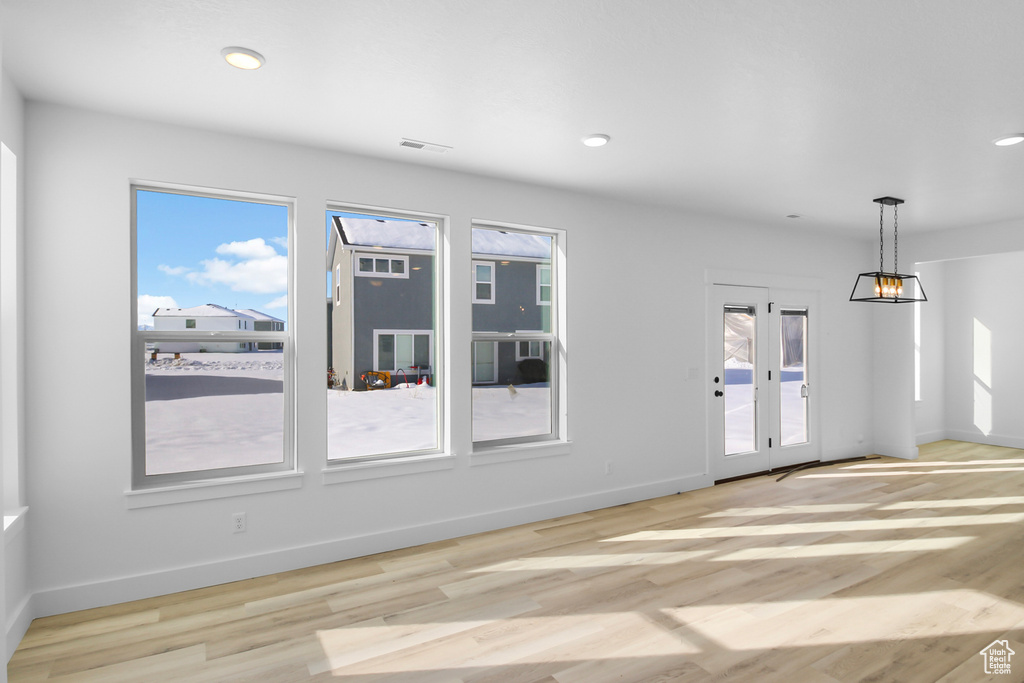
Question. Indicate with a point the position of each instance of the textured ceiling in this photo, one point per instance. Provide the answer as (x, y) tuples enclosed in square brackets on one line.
[(751, 109)]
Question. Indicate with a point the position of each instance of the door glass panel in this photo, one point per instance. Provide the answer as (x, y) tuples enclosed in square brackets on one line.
[(403, 352), (740, 387), (793, 384)]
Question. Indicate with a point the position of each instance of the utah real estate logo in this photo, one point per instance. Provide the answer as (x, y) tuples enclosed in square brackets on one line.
[(997, 657)]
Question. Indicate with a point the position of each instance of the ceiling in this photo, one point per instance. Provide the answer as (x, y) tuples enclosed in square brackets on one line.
[(749, 109)]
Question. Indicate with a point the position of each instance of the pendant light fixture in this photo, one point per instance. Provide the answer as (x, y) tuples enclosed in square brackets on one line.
[(884, 286)]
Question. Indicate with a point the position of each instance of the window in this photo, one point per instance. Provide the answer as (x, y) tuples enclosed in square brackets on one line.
[(207, 402), (485, 362), (382, 397), (543, 285), (529, 349), (398, 350), (483, 282), (517, 393), (383, 266)]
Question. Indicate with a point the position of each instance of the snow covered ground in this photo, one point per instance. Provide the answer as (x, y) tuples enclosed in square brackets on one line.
[(215, 410)]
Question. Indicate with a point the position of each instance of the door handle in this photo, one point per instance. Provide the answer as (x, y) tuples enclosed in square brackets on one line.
[(718, 393), (803, 391)]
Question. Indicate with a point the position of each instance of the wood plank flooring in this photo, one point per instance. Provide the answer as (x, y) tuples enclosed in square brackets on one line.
[(884, 570)]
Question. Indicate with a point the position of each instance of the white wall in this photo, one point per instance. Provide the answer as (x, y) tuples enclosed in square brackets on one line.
[(88, 548), (14, 589), (931, 408), (984, 363)]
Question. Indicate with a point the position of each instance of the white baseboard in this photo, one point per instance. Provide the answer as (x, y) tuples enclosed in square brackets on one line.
[(929, 437), (987, 439), (18, 621), (173, 580)]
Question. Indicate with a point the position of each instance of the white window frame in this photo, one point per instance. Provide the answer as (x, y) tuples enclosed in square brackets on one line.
[(557, 368), (492, 283), (142, 482), (494, 379), (540, 287), (355, 468), (391, 258)]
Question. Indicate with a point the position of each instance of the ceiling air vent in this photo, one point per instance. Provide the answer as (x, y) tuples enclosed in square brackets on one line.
[(425, 146)]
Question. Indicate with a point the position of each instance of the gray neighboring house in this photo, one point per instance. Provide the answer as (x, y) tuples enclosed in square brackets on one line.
[(381, 312)]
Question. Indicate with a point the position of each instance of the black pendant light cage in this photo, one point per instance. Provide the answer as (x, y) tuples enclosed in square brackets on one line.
[(888, 286)]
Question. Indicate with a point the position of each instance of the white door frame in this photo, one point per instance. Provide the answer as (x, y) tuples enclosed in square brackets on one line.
[(784, 292)]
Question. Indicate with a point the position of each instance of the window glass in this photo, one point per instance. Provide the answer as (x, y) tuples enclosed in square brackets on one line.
[(382, 397), (513, 392), (483, 283), (209, 392)]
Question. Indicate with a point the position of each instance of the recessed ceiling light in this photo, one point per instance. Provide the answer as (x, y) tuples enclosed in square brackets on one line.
[(1008, 140), (596, 140), (243, 58)]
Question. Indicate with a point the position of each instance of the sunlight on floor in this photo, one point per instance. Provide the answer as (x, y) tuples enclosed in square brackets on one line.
[(588, 561), (820, 527), (955, 503), (900, 473), (931, 463), (835, 621), (790, 510), (362, 649), (793, 552)]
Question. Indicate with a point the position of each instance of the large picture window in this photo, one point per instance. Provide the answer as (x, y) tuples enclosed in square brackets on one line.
[(515, 337), (211, 356), (382, 394)]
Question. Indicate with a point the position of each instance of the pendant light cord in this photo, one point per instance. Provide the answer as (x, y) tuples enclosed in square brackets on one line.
[(881, 238), (895, 238)]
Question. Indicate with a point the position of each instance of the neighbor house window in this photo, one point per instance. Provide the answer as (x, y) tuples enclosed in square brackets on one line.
[(529, 349), (514, 339), (543, 285), (483, 282), (382, 396), (383, 266), (206, 403)]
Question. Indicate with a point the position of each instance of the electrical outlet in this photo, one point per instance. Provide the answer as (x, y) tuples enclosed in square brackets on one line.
[(238, 522)]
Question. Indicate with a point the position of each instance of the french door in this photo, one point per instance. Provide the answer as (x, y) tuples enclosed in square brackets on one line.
[(761, 406)]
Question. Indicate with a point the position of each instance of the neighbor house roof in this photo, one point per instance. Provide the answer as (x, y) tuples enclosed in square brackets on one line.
[(204, 311), (258, 315), (400, 234), (385, 232)]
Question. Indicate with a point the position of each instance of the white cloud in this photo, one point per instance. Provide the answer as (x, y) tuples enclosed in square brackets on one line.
[(149, 303), (281, 242), (177, 270), (256, 276), (256, 268), (254, 249), (279, 302)]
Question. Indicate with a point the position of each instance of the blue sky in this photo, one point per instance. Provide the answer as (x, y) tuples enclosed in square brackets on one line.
[(199, 250)]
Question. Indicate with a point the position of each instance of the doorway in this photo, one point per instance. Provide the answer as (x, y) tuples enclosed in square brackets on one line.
[(761, 367)]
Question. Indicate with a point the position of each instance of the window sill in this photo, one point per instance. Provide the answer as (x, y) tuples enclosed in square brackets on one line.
[(214, 488), (345, 472), (489, 455), (14, 523)]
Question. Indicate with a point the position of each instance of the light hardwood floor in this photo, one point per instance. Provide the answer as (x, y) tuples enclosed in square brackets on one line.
[(885, 570)]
